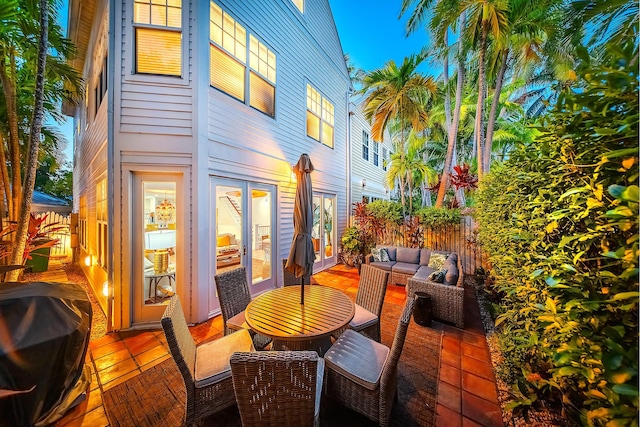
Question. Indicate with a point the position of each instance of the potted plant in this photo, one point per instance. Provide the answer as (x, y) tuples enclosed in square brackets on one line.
[(352, 246), (40, 240), (328, 226)]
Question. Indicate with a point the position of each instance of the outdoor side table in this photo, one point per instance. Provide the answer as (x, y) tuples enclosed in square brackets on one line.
[(154, 281), (278, 314)]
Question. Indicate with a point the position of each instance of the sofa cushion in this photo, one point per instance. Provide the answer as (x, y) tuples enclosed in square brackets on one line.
[(423, 273), (436, 261), (376, 254), (425, 254), (386, 266), (451, 278), (408, 255), (405, 268), (391, 250), (453, 257), (449, 264), (438, 276)]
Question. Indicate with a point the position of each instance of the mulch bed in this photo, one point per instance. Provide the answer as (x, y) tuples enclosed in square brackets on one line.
[(156, 397)]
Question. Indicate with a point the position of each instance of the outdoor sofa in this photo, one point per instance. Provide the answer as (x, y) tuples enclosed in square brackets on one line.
[(410, 267)]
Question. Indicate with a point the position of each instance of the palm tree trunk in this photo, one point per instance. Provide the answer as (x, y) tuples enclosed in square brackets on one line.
[(445, 76), (481, 84), (494, 110), (34, 142), (9, 85), (6, 184), (455, 122)]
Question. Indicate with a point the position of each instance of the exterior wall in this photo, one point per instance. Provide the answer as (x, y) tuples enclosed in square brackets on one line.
[(167, 125), (374, 176)]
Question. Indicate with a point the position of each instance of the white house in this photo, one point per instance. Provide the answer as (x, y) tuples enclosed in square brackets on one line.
[(193, 116), (369, 159)]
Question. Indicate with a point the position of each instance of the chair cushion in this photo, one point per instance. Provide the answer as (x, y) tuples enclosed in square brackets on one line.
[(238, 322), (425, 254), (212, 357), (358, 358), (391, 250), (423, 273), (362, 319), (319, 378), (386, 266), (408, 255), (405, 268)]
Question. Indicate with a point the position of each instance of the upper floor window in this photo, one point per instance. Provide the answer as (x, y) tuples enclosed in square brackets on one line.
[(385, 158), (229, 48), (299, 4), (365, 145), (320, 115), (376, 153), (158, 36), (100, 89)]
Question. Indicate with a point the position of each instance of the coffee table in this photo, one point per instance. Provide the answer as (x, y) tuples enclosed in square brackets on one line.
[(292, 326)]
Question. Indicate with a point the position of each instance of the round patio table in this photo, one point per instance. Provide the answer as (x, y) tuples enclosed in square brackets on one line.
[(292, 326)]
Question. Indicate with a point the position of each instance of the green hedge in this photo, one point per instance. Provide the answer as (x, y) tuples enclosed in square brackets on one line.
[(560, 223)]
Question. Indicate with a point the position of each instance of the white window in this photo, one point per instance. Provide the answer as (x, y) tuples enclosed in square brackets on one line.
[(365, 145), (158, 36), (82, 222), (320, 115), (101, 221), (385, 158), (299, 4), (100, 87), (376, 153), (228, 71)]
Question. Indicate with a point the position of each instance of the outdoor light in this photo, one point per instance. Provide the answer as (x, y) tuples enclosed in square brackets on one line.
[(364, 182), (160, 241), (88, 260), (105, 288)]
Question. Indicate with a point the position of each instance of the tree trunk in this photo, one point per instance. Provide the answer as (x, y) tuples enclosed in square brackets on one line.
[(6, 183), (9, 85), (34, 143), (479, 105), (452, 135), (494, 109), (447, 95)]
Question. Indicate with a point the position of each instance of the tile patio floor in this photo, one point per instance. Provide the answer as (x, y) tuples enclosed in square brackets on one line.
[(467, 394)]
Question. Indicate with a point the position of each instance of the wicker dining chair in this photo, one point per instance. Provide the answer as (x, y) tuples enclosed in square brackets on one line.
[(289, 279), (369, 299), (205, 367), (278, 388), (362, 374), (234, 296)]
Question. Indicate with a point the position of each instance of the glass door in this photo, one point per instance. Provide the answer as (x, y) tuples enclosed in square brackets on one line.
[(323, 232), (156, 248), (243, 223)]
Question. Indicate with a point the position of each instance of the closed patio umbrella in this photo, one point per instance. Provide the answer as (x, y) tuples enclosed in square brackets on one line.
[(302, 256)]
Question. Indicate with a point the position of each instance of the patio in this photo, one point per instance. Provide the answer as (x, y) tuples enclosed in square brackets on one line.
[(466, 390)]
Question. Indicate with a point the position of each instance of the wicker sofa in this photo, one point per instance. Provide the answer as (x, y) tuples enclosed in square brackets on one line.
[(409, 267)]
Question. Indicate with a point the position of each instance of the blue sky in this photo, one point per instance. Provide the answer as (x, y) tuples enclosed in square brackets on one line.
[(371, 33)]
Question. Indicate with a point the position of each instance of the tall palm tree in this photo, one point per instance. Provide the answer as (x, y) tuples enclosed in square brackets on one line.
[(397, 93)]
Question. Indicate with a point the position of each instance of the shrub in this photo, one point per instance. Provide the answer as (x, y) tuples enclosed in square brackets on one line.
[(560, 222), (438, 217)]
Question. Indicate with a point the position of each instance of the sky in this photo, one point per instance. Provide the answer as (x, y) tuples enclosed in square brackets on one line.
[(371, 33)]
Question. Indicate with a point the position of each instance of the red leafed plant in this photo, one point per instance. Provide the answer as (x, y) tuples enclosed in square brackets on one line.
[(461, 178), (39, 235)]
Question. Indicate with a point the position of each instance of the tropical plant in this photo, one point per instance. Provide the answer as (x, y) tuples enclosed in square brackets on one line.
[(352, 246), (560, 222)]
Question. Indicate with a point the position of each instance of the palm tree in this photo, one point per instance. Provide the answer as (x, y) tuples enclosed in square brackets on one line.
[(397, 93)]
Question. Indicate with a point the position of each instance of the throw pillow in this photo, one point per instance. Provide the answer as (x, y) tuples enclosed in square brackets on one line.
[(384, 255), (438, 276), (376, 254), (437, 261)]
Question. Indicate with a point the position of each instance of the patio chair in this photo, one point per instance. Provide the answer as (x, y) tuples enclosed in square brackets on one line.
[(278, 388), (205, 367), (362, 374), (369, 299), (289, 278), (234, 296)]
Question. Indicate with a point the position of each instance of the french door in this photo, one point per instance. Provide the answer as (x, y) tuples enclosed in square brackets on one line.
[(243, 226), (323, 232)]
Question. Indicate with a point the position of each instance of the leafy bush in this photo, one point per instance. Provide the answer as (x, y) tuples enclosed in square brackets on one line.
[(560, 222), (438, 217)]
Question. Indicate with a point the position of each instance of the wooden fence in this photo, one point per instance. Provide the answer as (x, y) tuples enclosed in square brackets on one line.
[(63, 248)]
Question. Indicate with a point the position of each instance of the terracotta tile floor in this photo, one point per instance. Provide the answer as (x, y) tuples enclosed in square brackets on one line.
[(467, 393)]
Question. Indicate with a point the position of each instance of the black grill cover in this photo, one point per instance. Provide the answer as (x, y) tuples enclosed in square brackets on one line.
[(44, 336)]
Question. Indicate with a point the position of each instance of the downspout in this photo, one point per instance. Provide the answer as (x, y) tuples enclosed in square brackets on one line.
[(111, 58), (348, 178)]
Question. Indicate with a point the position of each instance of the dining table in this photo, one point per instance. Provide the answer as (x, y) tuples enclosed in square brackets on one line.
[(279, 315)]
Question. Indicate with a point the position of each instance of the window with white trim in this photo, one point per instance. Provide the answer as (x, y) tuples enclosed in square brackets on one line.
[(82, 222), (101, 221), (230, 46), (365, 145), (320, 116), (299, 4), (376, 153), (100, 87), (158, 37)]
